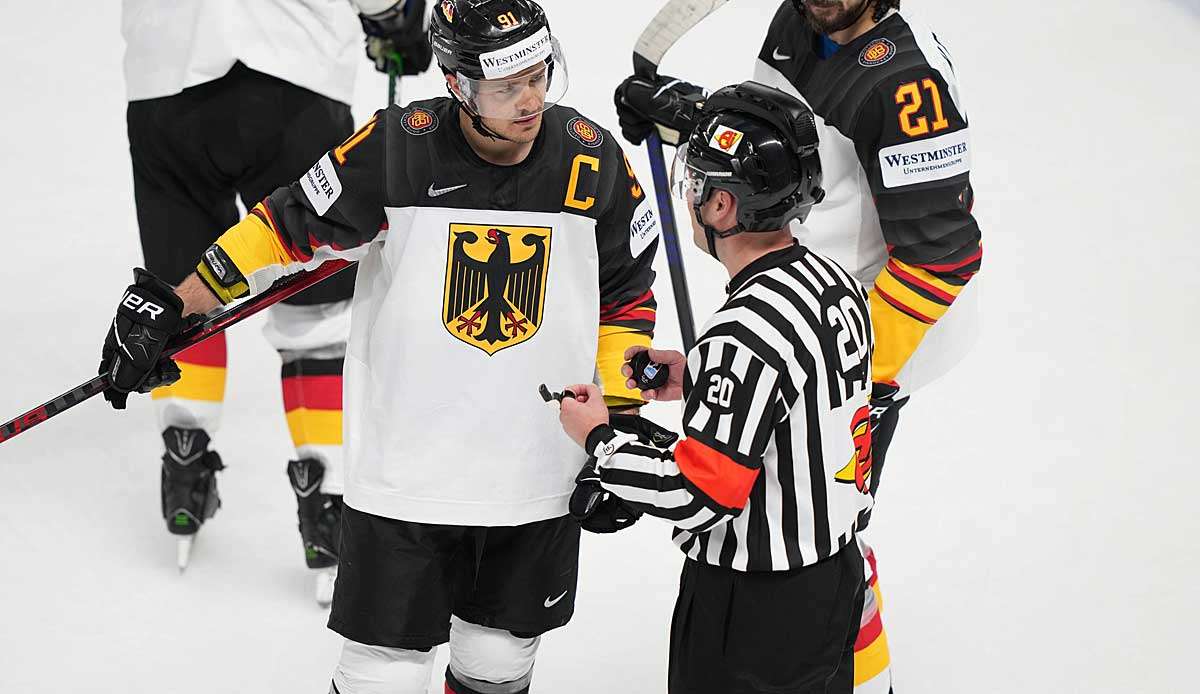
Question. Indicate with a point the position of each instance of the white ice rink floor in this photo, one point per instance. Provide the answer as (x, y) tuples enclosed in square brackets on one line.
[(1036, 529)]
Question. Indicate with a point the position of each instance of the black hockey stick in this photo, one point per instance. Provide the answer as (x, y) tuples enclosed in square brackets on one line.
[(279, 291), (671, 23)]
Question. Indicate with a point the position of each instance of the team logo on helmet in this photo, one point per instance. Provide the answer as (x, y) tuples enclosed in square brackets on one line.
[(876, 53), (586, 133), (726, 139), (419, 121), (448, 10), (858, 470), (495, 284)]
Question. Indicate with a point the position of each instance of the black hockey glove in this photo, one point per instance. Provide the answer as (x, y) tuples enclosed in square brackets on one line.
[(600, 511), (884, 402), (396, 38), (597, 510), (665, 102), (150, 313)]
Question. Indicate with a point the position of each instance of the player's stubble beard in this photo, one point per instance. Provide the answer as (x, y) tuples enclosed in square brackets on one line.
[(831, 16)]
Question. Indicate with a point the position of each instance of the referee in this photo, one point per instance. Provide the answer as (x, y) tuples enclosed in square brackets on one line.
[(766, 488)]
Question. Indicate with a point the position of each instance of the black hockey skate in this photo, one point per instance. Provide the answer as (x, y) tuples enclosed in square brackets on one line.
[(189, 485), (320, 518)]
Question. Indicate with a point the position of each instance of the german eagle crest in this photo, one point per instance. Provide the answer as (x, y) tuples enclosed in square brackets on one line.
[(495, 284)]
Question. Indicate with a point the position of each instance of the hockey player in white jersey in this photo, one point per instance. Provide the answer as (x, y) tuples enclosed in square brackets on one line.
[(896, 152), (775, 414), (502, 239), (229, 99)]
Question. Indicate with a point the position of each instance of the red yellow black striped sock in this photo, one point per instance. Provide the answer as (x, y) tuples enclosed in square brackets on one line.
[(312, 399), (194, 401)]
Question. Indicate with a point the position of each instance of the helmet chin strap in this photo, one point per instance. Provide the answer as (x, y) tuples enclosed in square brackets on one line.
[(476, 119), (477, 123), (711, 234)]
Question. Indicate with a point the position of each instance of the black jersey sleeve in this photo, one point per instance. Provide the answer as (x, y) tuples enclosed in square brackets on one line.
[(627, 234), (913, 143), (732, 405), (333, 211)]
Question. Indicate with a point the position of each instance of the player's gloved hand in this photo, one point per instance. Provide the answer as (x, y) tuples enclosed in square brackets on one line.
[(396, 38), (598, 510), (664, 102), (675, 363), (883, 398), (150, 313)]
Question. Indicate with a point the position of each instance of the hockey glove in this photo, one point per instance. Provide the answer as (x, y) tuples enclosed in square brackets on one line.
[(598, 510), (150, 313), (396, 37), (664, 102), (884, 400)]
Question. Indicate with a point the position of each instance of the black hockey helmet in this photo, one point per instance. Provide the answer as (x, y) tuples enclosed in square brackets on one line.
[(491, 47), (760, 145)]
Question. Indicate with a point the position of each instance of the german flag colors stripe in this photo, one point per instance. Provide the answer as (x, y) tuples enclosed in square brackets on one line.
[(202, 373), (312, 398)]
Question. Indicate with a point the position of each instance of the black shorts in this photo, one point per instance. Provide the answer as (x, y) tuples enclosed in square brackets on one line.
[(246, 133), (776, 632), (398, 581)]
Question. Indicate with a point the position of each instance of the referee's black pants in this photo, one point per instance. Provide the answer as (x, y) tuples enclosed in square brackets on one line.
[(769, 632)]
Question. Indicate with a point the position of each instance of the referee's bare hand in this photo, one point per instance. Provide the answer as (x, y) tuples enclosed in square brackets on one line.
[(675, 362), (582, 413)]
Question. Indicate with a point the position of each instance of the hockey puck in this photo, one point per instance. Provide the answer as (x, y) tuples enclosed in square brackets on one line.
[(647, 374)]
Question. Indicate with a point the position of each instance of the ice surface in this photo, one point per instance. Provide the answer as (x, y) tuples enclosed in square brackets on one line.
[(1036, 531)]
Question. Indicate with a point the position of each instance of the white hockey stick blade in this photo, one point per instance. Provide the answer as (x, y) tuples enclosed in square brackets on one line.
[(183, 551), (674, 20), (325, 581)]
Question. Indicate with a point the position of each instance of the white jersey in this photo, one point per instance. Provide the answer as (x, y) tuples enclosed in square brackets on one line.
[(476, 284), (171, 45), (842, 89)]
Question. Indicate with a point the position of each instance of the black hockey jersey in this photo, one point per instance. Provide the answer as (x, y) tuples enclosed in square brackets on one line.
[(896, 157), (476, 283)]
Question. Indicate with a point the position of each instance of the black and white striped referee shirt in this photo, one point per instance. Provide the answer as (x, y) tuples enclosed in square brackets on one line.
[(776, 462)]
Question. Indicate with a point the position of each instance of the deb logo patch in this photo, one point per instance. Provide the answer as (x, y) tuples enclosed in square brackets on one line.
[(586, 133), (643, 228), (934, 159), (726, 139), (321, 185), (877, 53), (419, 121)]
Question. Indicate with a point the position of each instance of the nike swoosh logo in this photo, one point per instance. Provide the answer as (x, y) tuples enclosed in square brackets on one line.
[(552, 603), (779, 56), (434, 192)]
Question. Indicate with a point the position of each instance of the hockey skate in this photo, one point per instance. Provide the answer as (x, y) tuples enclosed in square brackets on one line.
[(189, 486), (320, 518)]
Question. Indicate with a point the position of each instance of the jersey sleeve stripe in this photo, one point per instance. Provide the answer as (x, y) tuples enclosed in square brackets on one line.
[(923, 282), (610, 356), (912, 299), (716, 474), (899, 306)]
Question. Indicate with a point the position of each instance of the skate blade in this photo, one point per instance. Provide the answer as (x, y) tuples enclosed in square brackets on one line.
[(183, 551), (325, 579)]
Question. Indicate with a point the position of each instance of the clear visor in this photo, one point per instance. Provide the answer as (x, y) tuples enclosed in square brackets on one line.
[(527, 93), (688, 182)]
